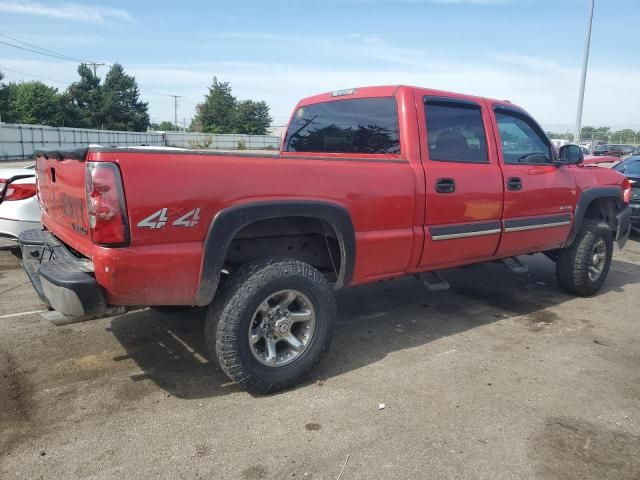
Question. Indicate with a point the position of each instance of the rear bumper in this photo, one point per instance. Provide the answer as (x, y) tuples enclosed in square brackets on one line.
[(62, 280), (624, 226)]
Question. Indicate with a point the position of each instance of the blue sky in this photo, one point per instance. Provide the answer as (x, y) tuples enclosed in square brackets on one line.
[(527, 51)]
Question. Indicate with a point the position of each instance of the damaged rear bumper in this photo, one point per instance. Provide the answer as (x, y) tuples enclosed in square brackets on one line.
[(63, 281)]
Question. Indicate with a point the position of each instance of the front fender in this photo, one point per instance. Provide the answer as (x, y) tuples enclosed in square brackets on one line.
[(586, 198)]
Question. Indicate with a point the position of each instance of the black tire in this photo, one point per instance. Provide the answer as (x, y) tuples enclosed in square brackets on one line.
[(232, 313), (572, 264)]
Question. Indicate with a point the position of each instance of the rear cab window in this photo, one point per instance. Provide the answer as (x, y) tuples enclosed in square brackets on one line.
[(352, 126)]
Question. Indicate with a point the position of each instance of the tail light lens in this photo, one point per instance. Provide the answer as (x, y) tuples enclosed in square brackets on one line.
[(17, 191), (626, 191), (106, 206)]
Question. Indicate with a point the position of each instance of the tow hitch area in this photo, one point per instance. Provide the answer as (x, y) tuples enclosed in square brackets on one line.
[(63, 281)]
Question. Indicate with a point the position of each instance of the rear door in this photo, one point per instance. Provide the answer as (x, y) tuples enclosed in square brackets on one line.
[(540, 197), (464, 187)]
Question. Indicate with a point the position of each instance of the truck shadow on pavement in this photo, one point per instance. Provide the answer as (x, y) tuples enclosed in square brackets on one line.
[(374, 320)]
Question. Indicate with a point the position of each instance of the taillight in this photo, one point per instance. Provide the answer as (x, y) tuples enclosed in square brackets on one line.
[(19, 191), (106, 205), (626, 191)]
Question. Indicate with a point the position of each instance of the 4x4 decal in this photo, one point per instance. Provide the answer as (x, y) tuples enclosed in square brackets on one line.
[(160, 218)]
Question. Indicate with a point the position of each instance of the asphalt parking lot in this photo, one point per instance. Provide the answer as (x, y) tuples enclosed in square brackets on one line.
[(501, 377)]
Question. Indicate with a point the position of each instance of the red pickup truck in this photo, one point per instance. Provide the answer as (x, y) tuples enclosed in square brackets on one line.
[(370, 183)]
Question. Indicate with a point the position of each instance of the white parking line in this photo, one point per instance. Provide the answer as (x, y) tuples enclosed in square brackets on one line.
[(11, 315)]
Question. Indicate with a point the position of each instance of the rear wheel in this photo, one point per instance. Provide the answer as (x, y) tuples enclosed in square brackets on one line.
[(582, 267), (271, 324)]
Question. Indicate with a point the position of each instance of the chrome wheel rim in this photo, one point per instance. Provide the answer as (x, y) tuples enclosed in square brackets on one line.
[(597, 259), (281, 328)]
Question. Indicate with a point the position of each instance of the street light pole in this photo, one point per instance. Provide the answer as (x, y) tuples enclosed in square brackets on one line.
[(583, 80)]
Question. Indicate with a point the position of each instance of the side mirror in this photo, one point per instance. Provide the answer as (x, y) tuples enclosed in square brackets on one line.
[(570, 155)]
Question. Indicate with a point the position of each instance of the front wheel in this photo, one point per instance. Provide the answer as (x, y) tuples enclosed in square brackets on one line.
[(582, 267), (272, 324)]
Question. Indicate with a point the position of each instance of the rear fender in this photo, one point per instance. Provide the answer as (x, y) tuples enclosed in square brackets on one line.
[(227, 223)]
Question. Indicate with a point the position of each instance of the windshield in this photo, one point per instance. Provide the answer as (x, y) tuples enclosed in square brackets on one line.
[(631, 166)]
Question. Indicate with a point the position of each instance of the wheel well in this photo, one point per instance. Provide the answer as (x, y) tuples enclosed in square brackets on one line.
[(310, 240), (604, 209)]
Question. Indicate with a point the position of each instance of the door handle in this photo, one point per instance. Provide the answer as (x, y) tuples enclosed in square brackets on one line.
[(445, 185), (514, 183)]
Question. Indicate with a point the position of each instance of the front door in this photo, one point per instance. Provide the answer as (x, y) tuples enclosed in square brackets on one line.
[(540, 197), (464, 188)]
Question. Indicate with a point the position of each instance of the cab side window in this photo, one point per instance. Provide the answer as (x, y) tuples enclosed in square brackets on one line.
[(455, 131), (521, 141)]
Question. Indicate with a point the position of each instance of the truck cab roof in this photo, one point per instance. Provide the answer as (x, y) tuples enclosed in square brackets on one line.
[(391, 90)]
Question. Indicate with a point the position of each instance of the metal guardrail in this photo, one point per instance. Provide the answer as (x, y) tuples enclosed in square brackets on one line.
[(20, 141)]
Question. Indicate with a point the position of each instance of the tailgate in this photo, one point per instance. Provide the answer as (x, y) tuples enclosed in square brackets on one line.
[(61, 190)]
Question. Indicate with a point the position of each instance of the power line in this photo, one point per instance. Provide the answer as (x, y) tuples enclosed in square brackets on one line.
[(41, 48), (184, 99), (59, 57), (48, 53), (34, 76)]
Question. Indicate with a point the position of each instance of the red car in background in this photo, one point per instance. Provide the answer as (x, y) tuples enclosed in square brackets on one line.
[(613, 150)]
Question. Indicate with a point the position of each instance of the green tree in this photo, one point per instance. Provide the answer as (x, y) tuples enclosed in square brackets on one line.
[(588, 132), (7, 93), (253, 117), (164, 126), (36, 103), (217, 114), (625, 135), (220, 112), (82, 101), (122, 108)]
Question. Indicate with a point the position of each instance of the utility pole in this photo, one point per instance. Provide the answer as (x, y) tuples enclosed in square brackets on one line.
[(175, 109), (585, 62), (95, 66)]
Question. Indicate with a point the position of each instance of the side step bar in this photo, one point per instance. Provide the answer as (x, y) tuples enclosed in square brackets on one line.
[(433, 281), (515, 265)]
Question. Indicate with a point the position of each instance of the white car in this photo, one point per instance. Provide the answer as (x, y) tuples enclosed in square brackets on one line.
[(19, 208)]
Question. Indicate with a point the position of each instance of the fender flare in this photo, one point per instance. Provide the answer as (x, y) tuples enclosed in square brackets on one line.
[(586, 198), (227, 223)]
